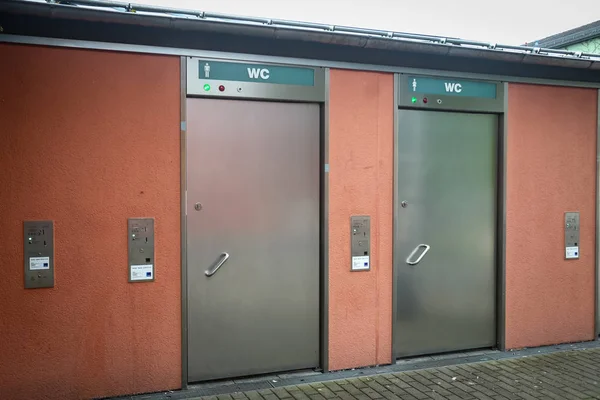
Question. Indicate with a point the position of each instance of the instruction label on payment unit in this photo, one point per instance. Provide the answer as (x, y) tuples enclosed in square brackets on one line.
[(37, 263), (572, 252), (360, 263), (142, 272)]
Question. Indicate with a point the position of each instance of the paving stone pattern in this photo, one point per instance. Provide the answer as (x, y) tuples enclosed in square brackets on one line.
[(559, 376)]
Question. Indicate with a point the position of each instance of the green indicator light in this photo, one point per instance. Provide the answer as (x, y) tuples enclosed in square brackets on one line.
[(206, 87), (414, 99)]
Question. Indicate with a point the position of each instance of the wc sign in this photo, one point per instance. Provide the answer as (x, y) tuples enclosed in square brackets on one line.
[(454, 87), (209, 70), (259, 73)]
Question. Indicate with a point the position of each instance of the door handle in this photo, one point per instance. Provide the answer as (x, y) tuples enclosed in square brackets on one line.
[(427, 247), (220, 261)]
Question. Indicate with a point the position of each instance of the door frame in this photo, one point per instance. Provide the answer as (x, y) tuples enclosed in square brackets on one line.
[(323, 220), (500, 249)]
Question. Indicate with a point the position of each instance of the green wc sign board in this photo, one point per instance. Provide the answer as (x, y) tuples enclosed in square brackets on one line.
[(451, 87), (261, 73)]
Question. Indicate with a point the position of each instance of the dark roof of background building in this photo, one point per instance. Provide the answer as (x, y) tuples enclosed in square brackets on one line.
[(567, 38)]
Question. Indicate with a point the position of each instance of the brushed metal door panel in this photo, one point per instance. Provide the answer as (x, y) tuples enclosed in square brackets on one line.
[(254, 169), (447, 177)]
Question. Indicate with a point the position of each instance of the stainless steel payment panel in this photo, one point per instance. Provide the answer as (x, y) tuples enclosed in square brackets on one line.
[(38, 249), (449, 93), (140, 237), (360, 243), (571, 235), (234, 79)]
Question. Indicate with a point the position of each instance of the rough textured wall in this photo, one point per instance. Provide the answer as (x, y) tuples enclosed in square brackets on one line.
[(88, 139), (361, 160), (551, 169)]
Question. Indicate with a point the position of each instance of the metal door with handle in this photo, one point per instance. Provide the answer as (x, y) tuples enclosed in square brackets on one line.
[(445, 232), (252, 237)]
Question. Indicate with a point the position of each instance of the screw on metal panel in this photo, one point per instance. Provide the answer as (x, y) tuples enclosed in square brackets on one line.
[(404, 204), (198, 206)]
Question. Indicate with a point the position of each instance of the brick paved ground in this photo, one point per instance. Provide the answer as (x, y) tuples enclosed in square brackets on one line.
[(562, 375)]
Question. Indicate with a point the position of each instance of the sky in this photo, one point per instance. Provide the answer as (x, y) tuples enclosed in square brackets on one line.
[(500, 21)]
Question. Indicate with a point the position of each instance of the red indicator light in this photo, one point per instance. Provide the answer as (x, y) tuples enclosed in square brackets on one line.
[(425, 100), (221, 88)]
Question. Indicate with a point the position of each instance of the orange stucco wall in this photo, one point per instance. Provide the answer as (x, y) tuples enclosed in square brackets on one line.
[(88, 139), (360, 183), (551, 164)]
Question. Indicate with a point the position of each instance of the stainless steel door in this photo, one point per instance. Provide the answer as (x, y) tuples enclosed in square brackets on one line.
[(445, 232), (253, 216)]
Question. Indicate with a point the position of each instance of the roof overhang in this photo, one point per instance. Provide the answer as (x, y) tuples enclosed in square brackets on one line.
[(194, 22)]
